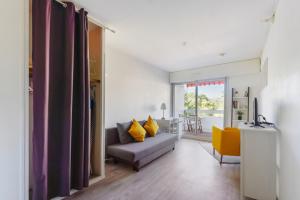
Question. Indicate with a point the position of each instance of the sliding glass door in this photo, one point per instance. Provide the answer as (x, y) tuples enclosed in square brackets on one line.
[(200, 105)]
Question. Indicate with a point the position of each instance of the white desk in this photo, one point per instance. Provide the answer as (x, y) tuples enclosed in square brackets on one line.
[(258, 162), (173, 125)]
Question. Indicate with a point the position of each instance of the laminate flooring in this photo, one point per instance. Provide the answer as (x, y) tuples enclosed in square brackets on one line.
[(187, 173)]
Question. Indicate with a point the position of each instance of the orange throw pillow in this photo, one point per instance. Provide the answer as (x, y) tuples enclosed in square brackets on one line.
[(151, 126), (137, 131)]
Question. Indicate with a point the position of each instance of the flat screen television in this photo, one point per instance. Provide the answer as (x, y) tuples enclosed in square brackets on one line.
[(255, 112)]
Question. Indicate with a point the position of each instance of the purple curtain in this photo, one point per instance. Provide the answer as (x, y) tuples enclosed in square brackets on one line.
[(81, 108), (40, 61), (60, 99)]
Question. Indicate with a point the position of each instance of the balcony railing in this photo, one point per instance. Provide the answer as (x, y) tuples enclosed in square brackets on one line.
[(202, 124)]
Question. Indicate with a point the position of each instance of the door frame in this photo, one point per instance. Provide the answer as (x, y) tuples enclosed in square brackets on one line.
[(26, 101), (225, 79)]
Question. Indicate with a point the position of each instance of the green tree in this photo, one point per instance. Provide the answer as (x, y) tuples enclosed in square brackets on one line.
[(189, 101), (202, 100), (204, 103)]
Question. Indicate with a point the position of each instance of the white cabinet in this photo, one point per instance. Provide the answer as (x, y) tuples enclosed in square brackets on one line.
[(258, 162)]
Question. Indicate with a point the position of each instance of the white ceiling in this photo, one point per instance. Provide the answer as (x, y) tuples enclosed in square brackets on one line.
[(155, 31)]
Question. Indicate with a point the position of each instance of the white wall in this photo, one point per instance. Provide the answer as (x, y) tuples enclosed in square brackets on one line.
[(281, 97), (217, 71), (133, 89), (239, 74), (254, 81), (12, 126)]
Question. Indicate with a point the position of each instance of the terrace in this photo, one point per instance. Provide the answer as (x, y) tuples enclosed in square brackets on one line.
[(199, 105)]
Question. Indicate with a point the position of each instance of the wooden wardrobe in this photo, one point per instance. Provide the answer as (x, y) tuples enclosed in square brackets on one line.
[(95, 38)]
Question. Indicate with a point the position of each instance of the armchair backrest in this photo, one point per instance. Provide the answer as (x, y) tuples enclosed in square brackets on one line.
[(226, 141)]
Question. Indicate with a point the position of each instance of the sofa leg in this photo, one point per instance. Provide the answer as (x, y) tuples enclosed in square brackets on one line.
[(173, 148), (115, 161), (221, 160), (135, 168)]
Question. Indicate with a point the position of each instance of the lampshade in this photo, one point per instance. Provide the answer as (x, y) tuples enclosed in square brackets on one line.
[(163, 106)]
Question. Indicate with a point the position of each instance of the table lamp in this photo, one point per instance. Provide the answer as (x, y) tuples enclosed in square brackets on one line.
[(163, 107)]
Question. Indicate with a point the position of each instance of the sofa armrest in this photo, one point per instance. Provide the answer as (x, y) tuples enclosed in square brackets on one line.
[(111, 136)]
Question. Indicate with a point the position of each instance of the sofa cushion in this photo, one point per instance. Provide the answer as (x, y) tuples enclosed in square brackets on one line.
[(123, 129), (135, 151), (137, 131), (124, 136), (151, 126)]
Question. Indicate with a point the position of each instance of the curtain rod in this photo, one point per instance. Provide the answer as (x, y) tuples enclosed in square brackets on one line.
[(94, 20)]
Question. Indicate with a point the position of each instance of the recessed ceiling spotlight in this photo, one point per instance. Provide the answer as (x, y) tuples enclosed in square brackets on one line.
[(222, 54)]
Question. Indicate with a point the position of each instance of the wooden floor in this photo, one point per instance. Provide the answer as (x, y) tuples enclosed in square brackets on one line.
[(188, 173)]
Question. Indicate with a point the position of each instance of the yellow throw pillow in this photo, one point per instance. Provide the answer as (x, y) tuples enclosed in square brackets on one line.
[(151, 126), (137, 131)]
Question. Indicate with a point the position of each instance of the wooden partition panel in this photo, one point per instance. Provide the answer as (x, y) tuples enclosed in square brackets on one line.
[(95, 61)]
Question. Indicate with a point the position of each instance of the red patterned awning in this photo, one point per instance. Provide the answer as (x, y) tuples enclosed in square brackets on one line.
[(205, 83)]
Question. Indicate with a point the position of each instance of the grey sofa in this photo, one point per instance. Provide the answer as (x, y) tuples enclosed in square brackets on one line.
[(138, 153)]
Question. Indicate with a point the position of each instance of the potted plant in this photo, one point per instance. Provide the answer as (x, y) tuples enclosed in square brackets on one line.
[(239, 114)]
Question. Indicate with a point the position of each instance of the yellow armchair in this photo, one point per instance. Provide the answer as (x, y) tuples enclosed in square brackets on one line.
[(226, 142)]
